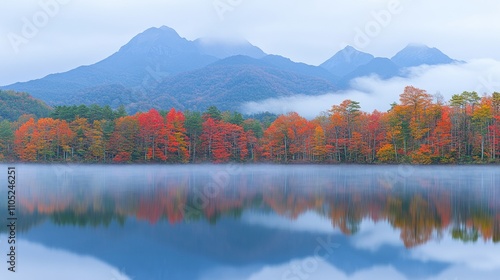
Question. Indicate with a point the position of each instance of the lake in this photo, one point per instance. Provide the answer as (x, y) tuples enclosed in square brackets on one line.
[(253, 222)]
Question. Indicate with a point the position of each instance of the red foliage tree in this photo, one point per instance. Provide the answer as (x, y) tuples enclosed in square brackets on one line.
[(152, 131), (176, 140), (24, 144)]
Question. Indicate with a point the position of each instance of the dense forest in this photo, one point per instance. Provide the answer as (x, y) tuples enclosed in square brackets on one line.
[(14, 104), (420, 129)]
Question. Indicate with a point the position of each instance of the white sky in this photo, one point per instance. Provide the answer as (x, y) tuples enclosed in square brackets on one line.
[(82, 32)]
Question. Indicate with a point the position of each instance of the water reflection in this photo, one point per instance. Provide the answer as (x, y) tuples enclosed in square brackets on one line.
[(421, 202), (41, 262), (267, 222)]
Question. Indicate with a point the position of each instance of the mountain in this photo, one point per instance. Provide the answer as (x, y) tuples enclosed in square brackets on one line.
[(113, 95), (14, 104), (123, 77), (231, 82), (222, 49), (299, 68), (158, 68), (416, 54), (384, 68), (346, 61), (148, 57), (225, 83)]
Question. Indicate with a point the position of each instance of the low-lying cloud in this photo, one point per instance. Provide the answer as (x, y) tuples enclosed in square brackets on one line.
[(482, 76), (306, 222)]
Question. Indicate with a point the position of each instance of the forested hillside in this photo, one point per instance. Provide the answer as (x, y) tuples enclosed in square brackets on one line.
[(418, 129), (14, 104)]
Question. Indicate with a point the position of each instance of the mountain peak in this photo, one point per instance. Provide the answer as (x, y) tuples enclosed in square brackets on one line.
[(416, 46), (221, 48), (165, 28), (154, 32), (349, 48), (154, 37), (419, 54), (346, 60)]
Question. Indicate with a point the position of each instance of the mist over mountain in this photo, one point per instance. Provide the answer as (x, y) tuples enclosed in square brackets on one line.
[(416, 54), (220, 49), (346, 61), (159, 68), (384, 68)]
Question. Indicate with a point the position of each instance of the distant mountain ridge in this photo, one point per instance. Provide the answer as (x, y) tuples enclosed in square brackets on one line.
[(381, 67), (154, 53), (417, 54), (220, 49), (158, 68), (237, 79), (346, 61)]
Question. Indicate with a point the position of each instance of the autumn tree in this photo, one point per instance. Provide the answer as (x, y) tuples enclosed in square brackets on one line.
[(397, 126), (152, 132), (63, 138), (24, 143), (375, 133), (223, 141), (81, 142), (417, 103), (97, 143), (208, 137), (482, 117), (441, 137), (386, 154), (319, 144), (176, 141), (289, 137), (234, 141), (43, 136), (344, 122), (125, 140)]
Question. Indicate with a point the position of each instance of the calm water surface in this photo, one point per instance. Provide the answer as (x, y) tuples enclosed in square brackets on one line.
[(254, 222)]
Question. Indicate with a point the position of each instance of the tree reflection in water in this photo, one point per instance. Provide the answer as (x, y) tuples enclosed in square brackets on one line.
[(428, 203)]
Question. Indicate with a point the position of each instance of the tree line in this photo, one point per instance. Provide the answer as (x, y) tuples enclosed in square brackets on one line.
[(420, 129)]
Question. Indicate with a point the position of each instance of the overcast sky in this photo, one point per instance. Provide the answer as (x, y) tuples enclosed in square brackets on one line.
[(82, 32)]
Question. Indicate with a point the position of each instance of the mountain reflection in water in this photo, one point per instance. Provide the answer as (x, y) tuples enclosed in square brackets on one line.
[(242, 215)]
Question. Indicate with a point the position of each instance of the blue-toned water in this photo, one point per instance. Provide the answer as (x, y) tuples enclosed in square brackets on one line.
[(254, 222)]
